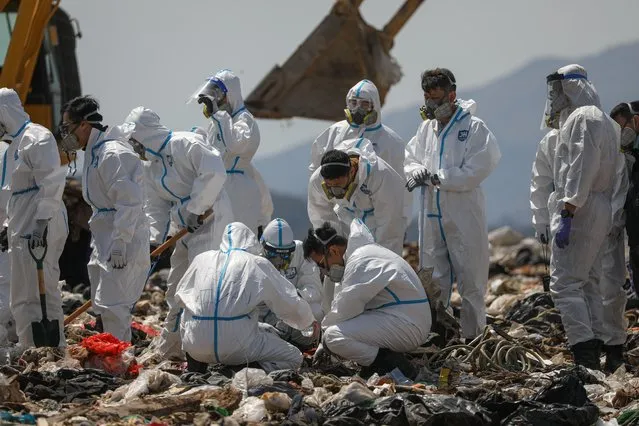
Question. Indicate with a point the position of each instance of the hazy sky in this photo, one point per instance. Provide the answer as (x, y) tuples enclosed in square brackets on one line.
[(156, 52)]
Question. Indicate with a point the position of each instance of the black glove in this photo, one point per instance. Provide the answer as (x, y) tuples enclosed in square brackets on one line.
[(260, 230), (4, 240)]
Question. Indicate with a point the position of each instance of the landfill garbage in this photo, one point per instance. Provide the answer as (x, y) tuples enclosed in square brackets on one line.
[(518, 371)]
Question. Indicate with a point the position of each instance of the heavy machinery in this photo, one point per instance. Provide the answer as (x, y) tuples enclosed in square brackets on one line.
[(37, 56), (342, 50)]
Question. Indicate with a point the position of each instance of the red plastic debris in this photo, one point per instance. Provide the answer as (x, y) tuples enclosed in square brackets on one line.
[(104, 344), (149, 331)]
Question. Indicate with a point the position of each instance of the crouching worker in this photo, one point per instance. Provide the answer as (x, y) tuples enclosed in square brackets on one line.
[(219, 296), (287, 255), (380, 310)]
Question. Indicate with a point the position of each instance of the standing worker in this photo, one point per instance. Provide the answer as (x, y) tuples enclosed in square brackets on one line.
[(185, 181), (7, 323), (113, 185), (452, 153), (234, 132), (627, 116), (37, 217), (364, 119), (580, 206)]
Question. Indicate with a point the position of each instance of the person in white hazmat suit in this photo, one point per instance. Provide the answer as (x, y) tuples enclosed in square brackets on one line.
[(452, 153), (7, 323), (364, 119), (187, 184), (613, 271), (234, 132), (580, 207), (36, 214), (354, 183), (287, 255), (381, 309), (113, 185), (220, 296)]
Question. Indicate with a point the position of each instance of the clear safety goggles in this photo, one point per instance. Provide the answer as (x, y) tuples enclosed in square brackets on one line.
[(212, 87), (354, 104), (279, 257)]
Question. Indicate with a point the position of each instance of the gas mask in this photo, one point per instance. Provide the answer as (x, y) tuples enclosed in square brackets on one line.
[(439, 111), (360, 112), (557, 102), (69, 142), (628, 138), (339, 192), (279, 257)]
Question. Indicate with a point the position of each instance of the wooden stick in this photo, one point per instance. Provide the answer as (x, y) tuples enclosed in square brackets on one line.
[(82, 309)]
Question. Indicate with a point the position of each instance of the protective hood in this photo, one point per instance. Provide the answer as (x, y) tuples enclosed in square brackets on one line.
[(199, 131), (148, 129), (365, 89), (12, 114), (278, 234), (238, 236), (579, 90), (361, 146), (234, 90), (469, 106), (359, 236)]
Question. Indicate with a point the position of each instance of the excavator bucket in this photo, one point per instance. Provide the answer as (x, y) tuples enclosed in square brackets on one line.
[(342, 50)]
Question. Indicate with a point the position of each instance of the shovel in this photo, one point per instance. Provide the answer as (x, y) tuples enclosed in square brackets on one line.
[(45, 332)]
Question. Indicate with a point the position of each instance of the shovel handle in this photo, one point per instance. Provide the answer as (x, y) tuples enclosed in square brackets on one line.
[(82, 309), (41, 288), (182, 232)]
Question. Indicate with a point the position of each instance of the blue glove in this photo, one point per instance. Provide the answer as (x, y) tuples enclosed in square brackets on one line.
[(562, 238)]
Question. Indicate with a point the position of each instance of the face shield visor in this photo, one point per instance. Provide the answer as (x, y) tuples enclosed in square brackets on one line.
[(564, 90), (213, 89)]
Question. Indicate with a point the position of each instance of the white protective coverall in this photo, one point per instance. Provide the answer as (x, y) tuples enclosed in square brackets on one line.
[(7, 323), (302, 273), (36, 185), (113, 185), (237, 137), (377, 201), (462, 154), (542, 184), (585, 163), (386, 143), (381, 303), (220, 296), (613, 275), (185, 174)]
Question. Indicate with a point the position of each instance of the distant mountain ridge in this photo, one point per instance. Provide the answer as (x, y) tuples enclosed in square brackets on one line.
[(511, 106)]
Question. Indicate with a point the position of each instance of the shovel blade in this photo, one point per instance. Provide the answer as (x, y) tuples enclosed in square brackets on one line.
[(46, 333)]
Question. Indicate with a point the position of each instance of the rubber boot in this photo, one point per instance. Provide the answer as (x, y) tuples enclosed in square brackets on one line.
[(614, 357), (386, 361), (588, 354), (195, 366)]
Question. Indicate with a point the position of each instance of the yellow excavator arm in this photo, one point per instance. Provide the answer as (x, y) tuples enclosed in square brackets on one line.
[(26, 39)]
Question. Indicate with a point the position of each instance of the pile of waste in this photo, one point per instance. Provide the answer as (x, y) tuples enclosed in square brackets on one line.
[(519, 371)]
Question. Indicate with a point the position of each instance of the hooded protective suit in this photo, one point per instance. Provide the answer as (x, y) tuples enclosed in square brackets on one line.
[(462, 154), (7, 323), (113, 185), (542, 184), (236, 136), (377, 201), (302, 273), (586, 158), (186, 175), (613, 275), (220, 294), (381, 303), (386, 143), (36, 185)]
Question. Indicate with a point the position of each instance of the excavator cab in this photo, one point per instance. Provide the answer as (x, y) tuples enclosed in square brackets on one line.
[(342, 50), (37, 57)]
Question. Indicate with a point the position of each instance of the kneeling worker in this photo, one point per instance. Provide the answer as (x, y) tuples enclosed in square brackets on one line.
[(219, 296), (287, 255), (381, 309)]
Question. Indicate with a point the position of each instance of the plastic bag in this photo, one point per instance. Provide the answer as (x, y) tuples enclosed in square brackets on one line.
[(276, 402), (355, 392), (108, 353), (251, 409), (248, 378), (149, 381)]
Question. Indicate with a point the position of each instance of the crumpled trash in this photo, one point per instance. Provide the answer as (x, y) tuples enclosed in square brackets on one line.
[(208, 378), (25, 419), (68, 385), (277, 402), (286, 376), (354, 392), (10, 390), (248, 378), (529, 413), (287, 388), (530, 307), (251, 409), (319, 396), (149, 381)]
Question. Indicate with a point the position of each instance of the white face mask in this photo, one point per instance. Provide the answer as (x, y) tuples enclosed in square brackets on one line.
[(628, 137), (336, 273)]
